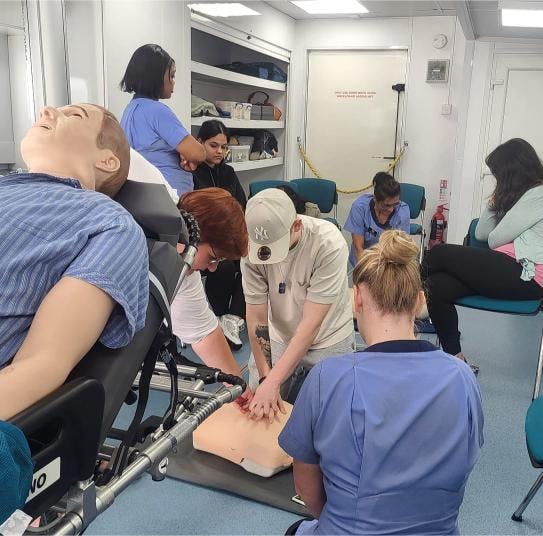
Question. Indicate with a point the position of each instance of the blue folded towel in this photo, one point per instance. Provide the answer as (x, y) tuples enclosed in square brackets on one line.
[(16, 470)]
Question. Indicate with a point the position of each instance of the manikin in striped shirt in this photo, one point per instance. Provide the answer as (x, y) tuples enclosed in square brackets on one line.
[(73, 263)]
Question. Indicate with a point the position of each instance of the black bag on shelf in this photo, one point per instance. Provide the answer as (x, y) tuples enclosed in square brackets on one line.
[(261, 69), (264, 142)]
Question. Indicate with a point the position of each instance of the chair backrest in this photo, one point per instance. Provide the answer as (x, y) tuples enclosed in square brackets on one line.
[(414, 196), (470, 239), (258, 186), (322, 192)]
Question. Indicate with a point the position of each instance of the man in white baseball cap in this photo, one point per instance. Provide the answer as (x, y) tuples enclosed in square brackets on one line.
[(298, 301)]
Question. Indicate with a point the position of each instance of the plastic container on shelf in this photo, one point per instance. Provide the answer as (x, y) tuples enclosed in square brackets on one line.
[(238, 153)]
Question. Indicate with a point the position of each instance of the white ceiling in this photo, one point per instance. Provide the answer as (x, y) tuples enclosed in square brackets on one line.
[(481, 18)]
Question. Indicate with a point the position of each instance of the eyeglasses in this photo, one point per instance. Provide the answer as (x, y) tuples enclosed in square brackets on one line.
[(384, 205), (214, 260)]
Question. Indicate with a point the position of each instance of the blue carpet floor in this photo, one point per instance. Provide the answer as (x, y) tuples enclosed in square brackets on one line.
[(505, 347)]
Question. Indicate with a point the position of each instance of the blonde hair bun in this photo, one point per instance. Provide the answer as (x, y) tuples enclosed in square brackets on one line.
[(397, 247), (391, 271)]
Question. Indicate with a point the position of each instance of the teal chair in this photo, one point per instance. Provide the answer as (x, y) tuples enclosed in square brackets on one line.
[(514, 307), (533, 428), (258, 186), (415, 197), (322, 192)]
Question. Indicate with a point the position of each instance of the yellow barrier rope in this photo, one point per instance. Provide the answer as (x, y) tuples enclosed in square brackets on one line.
[(315, 172)]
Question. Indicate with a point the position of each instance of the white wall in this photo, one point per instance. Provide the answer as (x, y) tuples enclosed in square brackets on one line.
[(53, 53), (22, 107), (47, 52), (11, 14), (432, 151), (468, 171), (7, 155), (130, 25), (85, 51), (15, 115), (431, 136)]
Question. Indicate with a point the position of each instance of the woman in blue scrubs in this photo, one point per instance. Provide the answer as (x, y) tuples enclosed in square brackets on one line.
[(384, 440), (151, 127), (371, 214)]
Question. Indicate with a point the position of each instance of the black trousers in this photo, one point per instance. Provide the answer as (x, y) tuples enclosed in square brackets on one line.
[(451, 272), (224, 290)]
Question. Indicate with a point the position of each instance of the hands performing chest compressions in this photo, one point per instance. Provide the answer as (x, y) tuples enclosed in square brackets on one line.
[(298, 303)]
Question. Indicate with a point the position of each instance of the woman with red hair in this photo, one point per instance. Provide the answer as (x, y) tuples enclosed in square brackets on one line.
[(223, 236)]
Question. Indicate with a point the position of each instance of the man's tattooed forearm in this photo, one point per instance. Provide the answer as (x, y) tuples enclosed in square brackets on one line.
[(262, 334)]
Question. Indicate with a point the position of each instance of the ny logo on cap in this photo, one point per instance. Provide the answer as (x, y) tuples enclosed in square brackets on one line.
[(261, 233)]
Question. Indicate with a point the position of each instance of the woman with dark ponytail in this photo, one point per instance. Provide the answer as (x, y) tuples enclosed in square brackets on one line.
[(371, 214)]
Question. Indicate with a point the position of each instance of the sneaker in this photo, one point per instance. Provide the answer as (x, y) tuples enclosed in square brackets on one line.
[(474, 368), (231, 326), (424, 326)]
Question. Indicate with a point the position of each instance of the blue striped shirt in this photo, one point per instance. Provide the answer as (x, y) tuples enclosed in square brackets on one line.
[(51, 228)]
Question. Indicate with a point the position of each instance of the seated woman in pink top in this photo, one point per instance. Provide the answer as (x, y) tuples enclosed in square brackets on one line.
[(512, 223)]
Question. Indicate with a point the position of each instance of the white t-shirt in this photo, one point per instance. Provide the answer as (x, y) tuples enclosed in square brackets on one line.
[(314, 270), (141, 170), (192, 317)]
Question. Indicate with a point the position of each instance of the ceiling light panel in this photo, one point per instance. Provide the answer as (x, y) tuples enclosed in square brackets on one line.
[(522, 18), (224, 10), (330, 7)]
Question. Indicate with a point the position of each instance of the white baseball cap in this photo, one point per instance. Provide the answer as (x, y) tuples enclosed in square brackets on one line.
[(269, 217)]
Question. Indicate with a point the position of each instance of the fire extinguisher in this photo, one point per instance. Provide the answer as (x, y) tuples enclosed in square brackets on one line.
[(437, 227)]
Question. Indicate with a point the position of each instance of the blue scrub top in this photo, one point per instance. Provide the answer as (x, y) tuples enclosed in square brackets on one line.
[(396, 430), (363, 221), (154, 131)]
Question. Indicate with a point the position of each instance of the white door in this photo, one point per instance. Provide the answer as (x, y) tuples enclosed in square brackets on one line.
[(516, 111), (351, 115)]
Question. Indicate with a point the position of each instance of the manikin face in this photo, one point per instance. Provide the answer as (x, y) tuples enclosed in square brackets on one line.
[(169, 82), (216, 148), (62, 142)]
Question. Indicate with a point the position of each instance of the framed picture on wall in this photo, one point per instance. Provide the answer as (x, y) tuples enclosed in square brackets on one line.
[(437, 71)]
